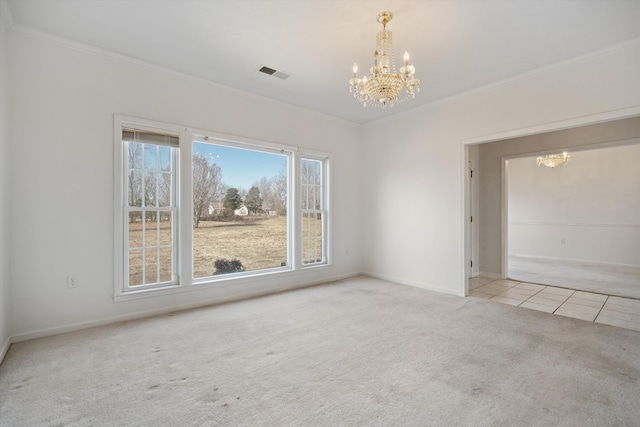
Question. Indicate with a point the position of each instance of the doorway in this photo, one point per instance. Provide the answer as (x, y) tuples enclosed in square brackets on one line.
[(490, 210)]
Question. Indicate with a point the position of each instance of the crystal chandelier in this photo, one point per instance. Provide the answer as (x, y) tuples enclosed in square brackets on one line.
[(553, 160), (383, 85)]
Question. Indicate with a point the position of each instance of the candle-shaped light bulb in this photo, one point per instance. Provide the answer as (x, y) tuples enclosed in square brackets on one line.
[(406, 58), (355, 69)]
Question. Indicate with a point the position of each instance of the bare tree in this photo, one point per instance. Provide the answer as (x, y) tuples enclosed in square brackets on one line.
[(207, 186), (135, 179), (265, 186), (311, 178), (164, 189), (150, 194), (280, 192)]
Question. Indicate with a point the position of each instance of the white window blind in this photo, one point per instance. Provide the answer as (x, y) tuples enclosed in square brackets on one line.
[(150, 137)]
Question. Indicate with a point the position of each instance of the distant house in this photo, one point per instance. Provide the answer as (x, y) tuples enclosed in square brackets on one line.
[(215, 208), (241, 211)]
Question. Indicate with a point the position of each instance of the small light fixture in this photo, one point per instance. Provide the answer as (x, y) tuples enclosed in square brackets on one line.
[(553, 160), (383, 85)]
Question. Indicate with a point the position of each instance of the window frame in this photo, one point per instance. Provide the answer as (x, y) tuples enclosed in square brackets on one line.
[(217, 139), (172, 208), (121, 208), (184, 208), (323, 210)]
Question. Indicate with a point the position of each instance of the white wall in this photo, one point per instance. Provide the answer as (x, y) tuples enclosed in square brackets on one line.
[(414, 163), (62, 102), (398, 182), (5, 302), (587, 209)]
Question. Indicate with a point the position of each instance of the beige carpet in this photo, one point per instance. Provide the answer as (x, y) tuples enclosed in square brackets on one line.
[(352, 353)]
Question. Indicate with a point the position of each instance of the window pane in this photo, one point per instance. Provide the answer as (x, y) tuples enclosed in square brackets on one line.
[(164, 158), (311, 184), (312, 238), (314, 199), (135, 229), (151, 265), (150, 156), (135, 155), (135, 267), (166, 228), (151, 230), (134, 188), (165, 264), (150, 189), (164, 189), (240, 209)]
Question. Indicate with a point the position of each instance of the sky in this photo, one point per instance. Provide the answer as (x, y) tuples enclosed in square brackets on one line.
[(241, 168)]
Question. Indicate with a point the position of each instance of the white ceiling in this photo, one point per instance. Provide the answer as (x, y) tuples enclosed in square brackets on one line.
[(456, 45)]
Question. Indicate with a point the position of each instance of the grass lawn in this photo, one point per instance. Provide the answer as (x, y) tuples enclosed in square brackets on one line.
[(258, 243)]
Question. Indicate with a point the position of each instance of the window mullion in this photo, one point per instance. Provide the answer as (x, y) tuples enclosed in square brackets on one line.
[(296, 208), (323, 239), (144, 245), (157, 244), (184, 193), (125, 256)]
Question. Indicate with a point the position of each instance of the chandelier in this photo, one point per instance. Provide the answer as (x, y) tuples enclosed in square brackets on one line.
[(383, 85), (553, 160)]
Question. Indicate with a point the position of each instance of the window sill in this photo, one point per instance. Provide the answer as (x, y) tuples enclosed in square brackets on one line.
[(212, 283)]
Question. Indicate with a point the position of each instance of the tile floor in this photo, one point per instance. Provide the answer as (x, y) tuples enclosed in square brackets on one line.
[(607, 309)]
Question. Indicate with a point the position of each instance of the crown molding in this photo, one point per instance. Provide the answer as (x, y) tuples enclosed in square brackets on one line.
[(631, 43)]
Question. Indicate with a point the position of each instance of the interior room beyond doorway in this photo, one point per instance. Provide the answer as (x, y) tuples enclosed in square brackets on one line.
[(577, 225), (488, 242)]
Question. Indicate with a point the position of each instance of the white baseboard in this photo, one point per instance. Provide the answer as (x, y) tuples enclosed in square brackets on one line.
[(420, 285), (489, 275), (5, 348), (550, 258), (157, 312)]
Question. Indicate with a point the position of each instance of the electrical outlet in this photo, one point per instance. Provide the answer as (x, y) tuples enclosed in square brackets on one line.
[(72, 281)]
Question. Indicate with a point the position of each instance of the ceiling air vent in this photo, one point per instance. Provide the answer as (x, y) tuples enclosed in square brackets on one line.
[(275, 73)]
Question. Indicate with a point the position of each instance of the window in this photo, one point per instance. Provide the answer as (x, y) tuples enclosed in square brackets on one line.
[(195, 209), (313, 212), (240, 208), (150, 208)]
